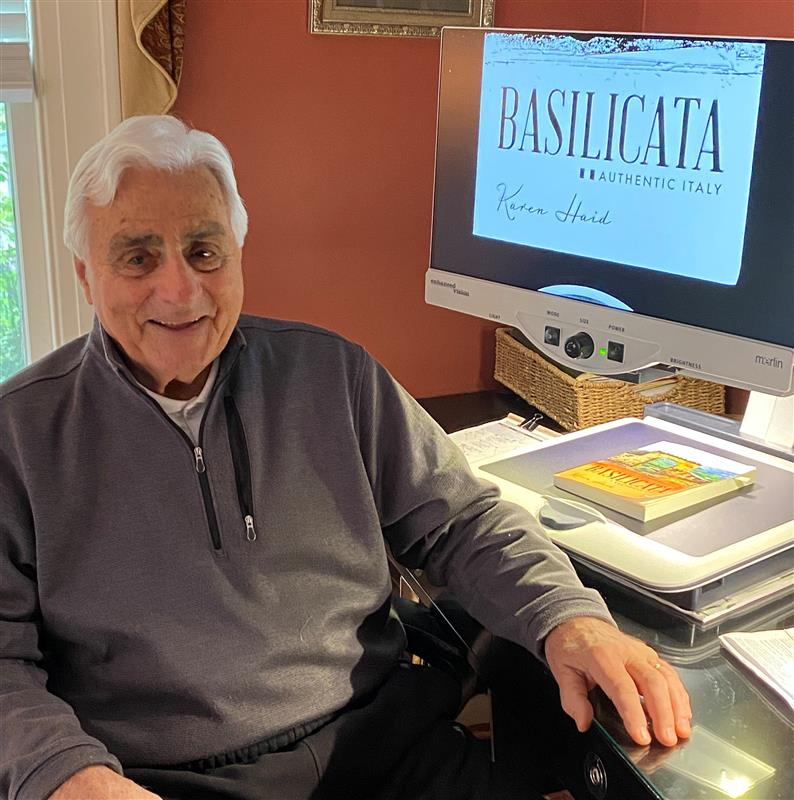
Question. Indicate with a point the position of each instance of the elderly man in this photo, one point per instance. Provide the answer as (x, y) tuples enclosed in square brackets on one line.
[(194, 590)]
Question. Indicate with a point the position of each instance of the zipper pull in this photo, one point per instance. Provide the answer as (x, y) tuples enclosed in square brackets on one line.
[(200, 467), (250, 533)]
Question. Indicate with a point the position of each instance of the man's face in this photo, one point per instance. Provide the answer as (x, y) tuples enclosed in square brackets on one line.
[(163, 272)]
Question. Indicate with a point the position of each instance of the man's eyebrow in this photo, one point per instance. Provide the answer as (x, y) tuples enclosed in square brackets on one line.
[(206, 230), (122, 241)]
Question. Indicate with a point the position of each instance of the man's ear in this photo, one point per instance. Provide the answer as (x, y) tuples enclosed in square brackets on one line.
[(80, 270)]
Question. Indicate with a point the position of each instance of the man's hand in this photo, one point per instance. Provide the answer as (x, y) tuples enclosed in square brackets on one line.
[(585, 652), (100, 783)]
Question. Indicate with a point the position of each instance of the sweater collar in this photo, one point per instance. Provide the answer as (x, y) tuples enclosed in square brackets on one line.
[(103, 346)]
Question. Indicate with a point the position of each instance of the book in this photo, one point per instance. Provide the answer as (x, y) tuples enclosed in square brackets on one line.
[(655, 480), (769, 655)]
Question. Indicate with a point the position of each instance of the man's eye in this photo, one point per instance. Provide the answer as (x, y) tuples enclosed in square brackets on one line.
[(205, 258), (136, 262)]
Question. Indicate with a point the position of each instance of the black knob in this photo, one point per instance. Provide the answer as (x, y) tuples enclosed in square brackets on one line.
[(595, 776), (579, 345)]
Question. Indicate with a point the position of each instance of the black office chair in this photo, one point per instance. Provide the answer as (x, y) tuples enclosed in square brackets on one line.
[(446, 637), (442, 634)]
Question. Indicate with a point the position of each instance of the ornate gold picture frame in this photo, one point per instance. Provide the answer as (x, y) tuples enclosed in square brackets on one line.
[(396, 17)]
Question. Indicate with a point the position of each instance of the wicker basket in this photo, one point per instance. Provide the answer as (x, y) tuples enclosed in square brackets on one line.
[(582, 401)]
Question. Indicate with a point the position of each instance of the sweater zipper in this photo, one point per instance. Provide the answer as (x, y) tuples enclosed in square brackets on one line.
[(206, 494), (198, 459), (242, 465)]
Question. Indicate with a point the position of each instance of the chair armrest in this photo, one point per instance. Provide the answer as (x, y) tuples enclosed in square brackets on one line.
[(447, 638)]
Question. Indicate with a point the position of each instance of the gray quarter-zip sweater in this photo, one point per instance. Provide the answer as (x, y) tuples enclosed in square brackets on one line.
[(161, 602)]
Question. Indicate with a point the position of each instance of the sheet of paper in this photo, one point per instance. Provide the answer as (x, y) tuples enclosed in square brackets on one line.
[(497, 438), (767, 654)]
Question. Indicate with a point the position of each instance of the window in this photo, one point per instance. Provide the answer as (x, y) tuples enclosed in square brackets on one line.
[(58, 95), (13, 345), (16, 84)]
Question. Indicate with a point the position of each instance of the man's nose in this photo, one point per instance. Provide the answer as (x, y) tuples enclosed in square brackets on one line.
[(178, 282)]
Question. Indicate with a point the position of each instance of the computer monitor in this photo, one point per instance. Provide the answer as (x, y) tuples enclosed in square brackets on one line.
[(623, 199)]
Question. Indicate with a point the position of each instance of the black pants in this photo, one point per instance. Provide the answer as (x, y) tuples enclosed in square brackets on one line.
[(401, 745)]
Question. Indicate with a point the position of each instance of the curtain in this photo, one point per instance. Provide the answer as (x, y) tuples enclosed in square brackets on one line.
[(151, 37)]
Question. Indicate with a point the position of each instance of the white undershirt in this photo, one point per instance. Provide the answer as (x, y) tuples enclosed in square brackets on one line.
[(187, 413)]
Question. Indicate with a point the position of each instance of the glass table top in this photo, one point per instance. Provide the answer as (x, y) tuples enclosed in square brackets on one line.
[(742, 743)]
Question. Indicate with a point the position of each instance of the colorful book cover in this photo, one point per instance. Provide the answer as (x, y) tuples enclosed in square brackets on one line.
[(656, 479)]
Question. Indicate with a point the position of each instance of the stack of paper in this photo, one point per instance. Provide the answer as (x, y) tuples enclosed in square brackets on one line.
[(498, 438), (767, 654)]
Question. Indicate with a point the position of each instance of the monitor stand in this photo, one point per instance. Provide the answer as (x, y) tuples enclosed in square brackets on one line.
[(770, 419), (768, 423)]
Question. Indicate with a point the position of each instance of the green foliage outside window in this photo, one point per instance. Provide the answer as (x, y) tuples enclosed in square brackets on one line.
[(12, 341)]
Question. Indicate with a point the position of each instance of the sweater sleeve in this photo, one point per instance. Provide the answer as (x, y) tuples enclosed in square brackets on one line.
[(41, 741), (435, 514)]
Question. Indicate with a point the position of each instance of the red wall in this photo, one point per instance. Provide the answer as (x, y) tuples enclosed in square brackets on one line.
[(333, 139), (736, 17)]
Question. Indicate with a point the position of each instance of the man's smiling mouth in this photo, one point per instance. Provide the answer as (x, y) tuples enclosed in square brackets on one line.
[(177, 326)]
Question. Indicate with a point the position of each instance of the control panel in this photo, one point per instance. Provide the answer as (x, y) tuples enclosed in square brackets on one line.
[(603, 340), (583, 346)]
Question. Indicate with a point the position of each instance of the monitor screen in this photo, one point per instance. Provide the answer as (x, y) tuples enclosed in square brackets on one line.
[(650, 177)]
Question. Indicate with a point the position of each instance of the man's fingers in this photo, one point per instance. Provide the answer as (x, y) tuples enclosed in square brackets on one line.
[(682, 710), (574, 700), (666, 700), (620, 688), (652, 683)]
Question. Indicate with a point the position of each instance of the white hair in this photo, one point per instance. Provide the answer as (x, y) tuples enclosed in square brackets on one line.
[(154, 142)]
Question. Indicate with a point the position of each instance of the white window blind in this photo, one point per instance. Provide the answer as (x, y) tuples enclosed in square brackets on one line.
[(16, 72)]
